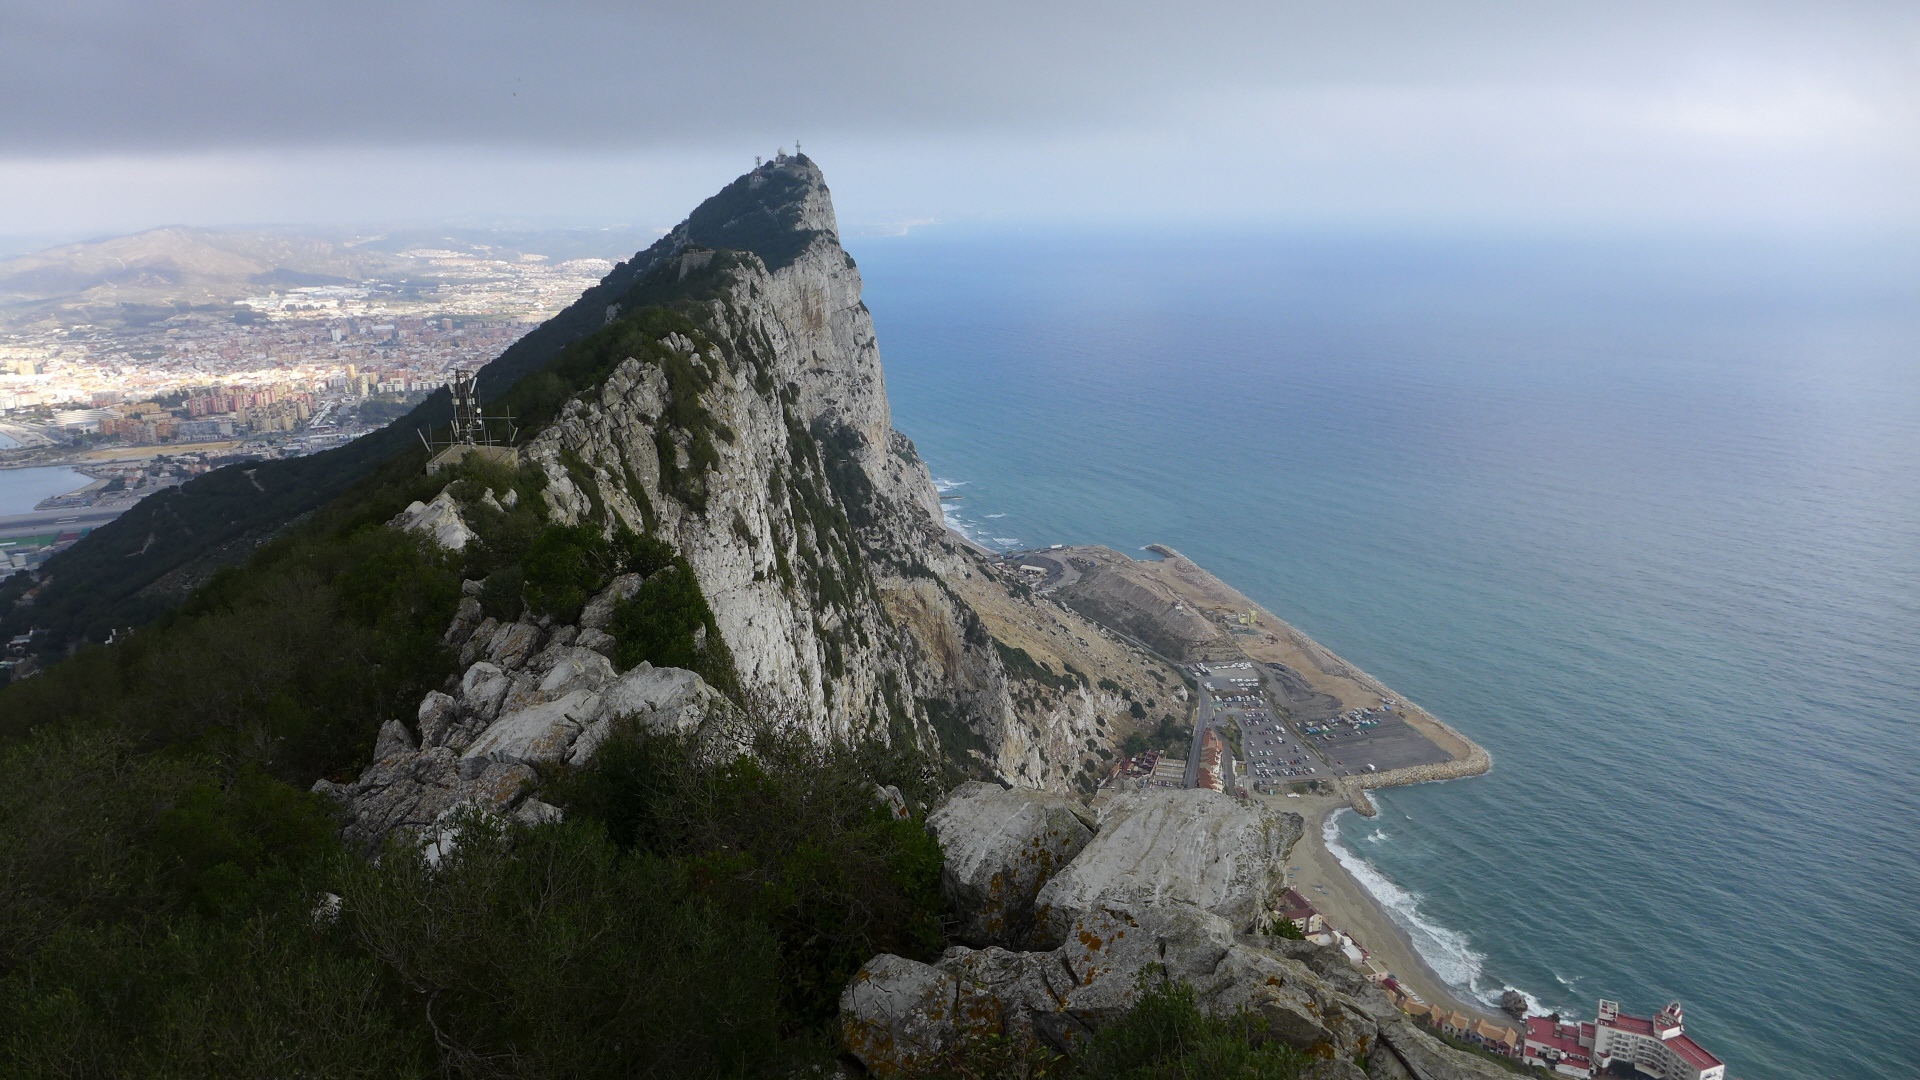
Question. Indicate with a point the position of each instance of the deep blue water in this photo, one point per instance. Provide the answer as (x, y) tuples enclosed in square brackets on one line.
[(1641, 516)]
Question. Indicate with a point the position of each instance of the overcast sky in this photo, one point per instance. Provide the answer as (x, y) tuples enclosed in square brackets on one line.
[(124, 114)]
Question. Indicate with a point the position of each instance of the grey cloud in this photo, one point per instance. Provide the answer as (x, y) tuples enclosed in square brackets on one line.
[(136, 75)]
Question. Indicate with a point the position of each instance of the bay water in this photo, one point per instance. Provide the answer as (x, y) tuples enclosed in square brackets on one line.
[(1640, 515), (22, 489)]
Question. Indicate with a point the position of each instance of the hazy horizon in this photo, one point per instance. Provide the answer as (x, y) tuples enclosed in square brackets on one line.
[(1383, 113)]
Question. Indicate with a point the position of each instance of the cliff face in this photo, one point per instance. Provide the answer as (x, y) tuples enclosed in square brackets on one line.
[(757, 438)]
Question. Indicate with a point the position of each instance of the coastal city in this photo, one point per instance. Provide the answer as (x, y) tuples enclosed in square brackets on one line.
[(123, 409)]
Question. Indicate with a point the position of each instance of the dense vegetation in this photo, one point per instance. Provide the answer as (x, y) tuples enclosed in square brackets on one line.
[(695, 914), (1164, 1037)]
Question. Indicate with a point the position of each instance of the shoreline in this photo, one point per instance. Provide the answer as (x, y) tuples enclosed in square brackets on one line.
[(1317, 874), (1312, 869)]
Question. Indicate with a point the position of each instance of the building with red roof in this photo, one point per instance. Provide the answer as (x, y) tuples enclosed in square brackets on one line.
[(1558, 1047), (1656, 1046), (1213, 750)]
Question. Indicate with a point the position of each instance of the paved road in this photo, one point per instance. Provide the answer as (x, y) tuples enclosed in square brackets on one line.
[(1202, 720)]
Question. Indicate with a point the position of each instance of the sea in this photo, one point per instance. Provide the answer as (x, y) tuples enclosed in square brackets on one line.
[(1637, 512), (22, 489)]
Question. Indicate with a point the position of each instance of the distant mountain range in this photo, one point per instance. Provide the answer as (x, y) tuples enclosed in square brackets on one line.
[(133, 278)]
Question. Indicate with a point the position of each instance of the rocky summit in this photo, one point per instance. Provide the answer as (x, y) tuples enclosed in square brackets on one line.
[(757, 440)]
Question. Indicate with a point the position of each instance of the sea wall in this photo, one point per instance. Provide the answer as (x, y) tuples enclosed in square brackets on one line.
[(1475, 763)]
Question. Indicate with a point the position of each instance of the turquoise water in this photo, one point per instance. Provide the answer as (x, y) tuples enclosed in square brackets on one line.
[(1641, 517)]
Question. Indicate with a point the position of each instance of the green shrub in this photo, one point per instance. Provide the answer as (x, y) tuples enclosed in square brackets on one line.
[(789, 838), (1285, 928), (1165, 1035), (546, 952), (667, 623)]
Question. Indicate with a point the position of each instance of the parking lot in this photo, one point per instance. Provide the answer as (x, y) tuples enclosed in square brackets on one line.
[(1273, 752), (1324, 743), (1391, 744)]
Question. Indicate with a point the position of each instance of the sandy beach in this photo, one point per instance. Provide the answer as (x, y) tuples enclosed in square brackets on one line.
[(1176, 603), (1318, 876)]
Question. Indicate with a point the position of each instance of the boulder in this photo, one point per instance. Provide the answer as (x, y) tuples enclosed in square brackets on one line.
[(476, 645), (660, 699), (513, 644), (897, 1015), (1013, 993), (534, 812), (394, 738), (440, 520), (598, 640), (438, 715), (1066, 995), (466, 619), (413, 790), (1195, 847), (543, 731), (1000, 848), (888, 798), (482, 689), (599, 610)]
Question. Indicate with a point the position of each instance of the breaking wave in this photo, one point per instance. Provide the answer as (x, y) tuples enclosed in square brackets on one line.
[(1447, 952)]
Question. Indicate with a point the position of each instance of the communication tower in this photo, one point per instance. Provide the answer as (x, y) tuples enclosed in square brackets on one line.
[(471, 425)]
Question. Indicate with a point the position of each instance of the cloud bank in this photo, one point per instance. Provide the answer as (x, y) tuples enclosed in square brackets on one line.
[(122, 114)]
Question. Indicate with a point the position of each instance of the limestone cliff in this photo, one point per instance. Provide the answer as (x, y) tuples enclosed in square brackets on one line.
[(735, 406)]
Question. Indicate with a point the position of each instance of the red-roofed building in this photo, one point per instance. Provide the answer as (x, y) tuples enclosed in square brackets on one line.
[(1557, 1047), (1658, 1046), (1212, 750), (1297, 908)]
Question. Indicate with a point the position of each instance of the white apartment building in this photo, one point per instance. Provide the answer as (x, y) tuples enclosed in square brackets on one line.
[(1658, 1047)]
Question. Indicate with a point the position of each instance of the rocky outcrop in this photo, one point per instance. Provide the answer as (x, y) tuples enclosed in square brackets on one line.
[(1195, 847), (759, 442), (1000, 847), (440, 520), (535, 698), (1064, 996), (1129, 922), (897, 1014)]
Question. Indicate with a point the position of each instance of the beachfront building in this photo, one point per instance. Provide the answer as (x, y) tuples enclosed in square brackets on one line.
[(1657, 1047), (1500, 1040), (1301, 912), (1564, 1049)]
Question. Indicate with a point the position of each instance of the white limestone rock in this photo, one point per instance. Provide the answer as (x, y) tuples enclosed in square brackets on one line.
[(440, 520), (513, 643), (465, 620), (410, 790), (599, 610), (438, 715), (544, 731), (394, 738), (1193, 847), (888, 797), (482, 689), (1000, 847), (897, 1015), (659, 699)]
